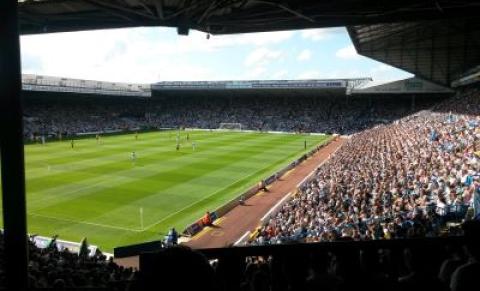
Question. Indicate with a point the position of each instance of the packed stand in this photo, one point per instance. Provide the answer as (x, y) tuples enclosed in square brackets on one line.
[(400, 180), (62, 270), (54, 118), (441, 265), (68, 116), (289, 114)]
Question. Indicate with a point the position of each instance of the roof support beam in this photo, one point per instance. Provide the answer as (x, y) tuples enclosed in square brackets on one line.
[(288, 9), (466, 42), (432, 54), (159, 8), (119, 8), (449, 57), (146, 8)]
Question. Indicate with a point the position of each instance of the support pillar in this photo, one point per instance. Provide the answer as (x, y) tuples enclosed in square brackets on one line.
[(11, 144)]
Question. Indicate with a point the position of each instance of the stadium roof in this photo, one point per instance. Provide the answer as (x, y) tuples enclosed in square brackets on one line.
[(407, 86), (261, 84), (229, 16), (66, 85), (251, 88), (436, 50), (469, 77)]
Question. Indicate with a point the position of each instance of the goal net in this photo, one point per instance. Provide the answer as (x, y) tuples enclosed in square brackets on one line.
[(230, 126)]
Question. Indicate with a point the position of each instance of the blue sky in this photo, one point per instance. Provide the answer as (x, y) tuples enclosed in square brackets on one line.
[(147, 55)]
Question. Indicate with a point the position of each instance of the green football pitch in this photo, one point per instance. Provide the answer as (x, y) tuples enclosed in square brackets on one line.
[(96, 190)]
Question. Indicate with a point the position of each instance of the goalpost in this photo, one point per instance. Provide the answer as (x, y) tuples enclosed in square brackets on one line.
[(230, 126)]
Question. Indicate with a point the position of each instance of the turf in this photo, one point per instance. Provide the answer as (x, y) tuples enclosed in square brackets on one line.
[(96, 191)]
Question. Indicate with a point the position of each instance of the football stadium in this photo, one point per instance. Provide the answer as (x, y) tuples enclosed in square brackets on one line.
[(306, 183)]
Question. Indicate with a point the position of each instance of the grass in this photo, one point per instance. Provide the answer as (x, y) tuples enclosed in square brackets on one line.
[(96, 191)]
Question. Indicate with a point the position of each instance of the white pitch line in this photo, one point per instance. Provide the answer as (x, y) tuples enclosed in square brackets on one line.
[(148, 226), (191, 204), (128, 229), (172, 214), (84, 222), (241, 239)]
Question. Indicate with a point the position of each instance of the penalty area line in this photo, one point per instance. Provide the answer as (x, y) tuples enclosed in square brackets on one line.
[(198, 201), (84, 222), (192, 204)]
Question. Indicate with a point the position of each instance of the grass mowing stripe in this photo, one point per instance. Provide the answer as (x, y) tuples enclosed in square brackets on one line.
[(75, 162), (176, 172), (163, 182), (154, 150), (197, 203), (63, 188), (203, 178), (67, 203)]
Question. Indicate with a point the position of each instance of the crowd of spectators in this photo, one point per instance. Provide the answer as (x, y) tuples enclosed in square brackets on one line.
[(62, 270), (292, 114), (446, 265), (55, 119), (322, 114), (399, 180), (415, 265)]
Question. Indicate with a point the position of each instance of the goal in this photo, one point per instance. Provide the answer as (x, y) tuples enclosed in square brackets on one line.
[(230, 126)]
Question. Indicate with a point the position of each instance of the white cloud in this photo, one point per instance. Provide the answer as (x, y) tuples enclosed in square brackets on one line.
[(342, 73), (347, 52), (382, 68), (256, 73), (257, 39), (316, 34), (304, 55), (333, 74), (279, 75), (261, 57), (115, 55), (384, 73), (197, 41), (381, 73), (312, 74), (131, 55)]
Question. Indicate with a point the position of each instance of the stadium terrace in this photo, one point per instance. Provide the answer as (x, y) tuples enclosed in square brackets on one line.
[(245, 185)]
